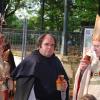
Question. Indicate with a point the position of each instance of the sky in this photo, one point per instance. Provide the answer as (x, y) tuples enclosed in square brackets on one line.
[(28, 11)]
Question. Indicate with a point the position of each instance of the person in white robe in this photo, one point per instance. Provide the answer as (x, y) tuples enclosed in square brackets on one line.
[(87, 79)]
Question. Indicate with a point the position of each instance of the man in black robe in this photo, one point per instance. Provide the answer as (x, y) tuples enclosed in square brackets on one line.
[(39, 71)]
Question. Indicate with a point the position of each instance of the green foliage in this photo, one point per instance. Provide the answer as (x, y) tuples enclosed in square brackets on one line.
[(82, 11), (13, 22), (11, 6)]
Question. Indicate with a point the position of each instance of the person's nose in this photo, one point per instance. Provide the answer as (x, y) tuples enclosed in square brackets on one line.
[(49, 46), (95, 49)]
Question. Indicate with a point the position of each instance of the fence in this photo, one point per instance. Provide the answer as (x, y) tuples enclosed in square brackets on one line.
[(15, 38)]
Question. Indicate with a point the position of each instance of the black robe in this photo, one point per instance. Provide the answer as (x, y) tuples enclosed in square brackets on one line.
[(42, 72), (11, 61)]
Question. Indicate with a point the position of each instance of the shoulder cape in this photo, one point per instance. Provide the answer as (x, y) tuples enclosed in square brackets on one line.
[(26, 67)]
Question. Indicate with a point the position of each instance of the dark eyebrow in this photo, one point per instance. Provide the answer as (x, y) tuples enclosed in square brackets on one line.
[(48, 44)]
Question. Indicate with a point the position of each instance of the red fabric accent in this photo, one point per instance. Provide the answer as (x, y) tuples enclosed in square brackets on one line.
[(78, 85), (5, 94)]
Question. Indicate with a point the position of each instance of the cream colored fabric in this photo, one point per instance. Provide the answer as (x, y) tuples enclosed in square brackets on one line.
[(94, 88), (97, 22), (4, 74), (4, 69), (84, 84)]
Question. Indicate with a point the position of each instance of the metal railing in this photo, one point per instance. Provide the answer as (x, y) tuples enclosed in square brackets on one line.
[(15, 37)]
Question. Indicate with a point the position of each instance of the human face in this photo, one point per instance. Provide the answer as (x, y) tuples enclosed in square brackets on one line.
[(48, 46), (96, 46)]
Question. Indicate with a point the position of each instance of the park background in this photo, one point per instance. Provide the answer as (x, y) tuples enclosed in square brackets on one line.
[(22, 21)]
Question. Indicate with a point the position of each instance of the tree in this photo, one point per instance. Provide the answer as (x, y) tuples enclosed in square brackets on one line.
[(82, 11), (8, 7)]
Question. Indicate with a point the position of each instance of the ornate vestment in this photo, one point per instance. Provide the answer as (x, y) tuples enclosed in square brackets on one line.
[(6, 83), (89, 80), (4, 75)]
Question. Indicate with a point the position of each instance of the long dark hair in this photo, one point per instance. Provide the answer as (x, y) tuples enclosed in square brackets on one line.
[(6, 46)]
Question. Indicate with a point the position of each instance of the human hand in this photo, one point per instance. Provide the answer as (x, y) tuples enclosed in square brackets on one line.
[(61, 83), (83, 65), (64, 85), (85, 61)]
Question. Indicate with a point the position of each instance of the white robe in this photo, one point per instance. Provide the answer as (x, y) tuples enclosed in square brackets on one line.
[(86, 78), (32, 95)]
